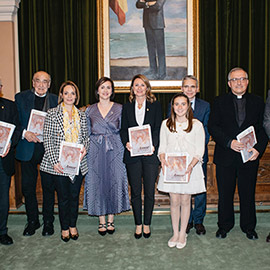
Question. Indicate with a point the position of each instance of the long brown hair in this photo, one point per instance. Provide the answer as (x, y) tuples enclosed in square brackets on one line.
[(171, 122), (149, 95)]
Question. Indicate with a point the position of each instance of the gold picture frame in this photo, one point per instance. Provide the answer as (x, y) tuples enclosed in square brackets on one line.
[(158, 86)]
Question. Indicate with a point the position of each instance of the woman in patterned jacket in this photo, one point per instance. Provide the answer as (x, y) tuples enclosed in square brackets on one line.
[(66, 123)]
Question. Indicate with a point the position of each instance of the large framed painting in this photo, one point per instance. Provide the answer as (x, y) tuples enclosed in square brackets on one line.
[(159, 39)]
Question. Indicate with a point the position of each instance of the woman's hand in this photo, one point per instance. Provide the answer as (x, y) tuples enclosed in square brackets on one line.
[(58, 168), (153, 150), (8, 148), (83, 152), (191, 166), (189, 170), (163, 162), (128, 146)]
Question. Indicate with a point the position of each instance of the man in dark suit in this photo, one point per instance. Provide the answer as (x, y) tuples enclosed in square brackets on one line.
[(30, 151), (153, 23), (231, 114), (266, 124), (8, 114), (201, 111)]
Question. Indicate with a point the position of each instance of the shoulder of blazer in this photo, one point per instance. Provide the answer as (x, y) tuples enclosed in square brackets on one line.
[(24, 96), (201, 102)]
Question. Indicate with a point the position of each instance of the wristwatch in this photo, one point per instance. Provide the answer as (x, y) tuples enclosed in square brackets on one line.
[(147, 4)]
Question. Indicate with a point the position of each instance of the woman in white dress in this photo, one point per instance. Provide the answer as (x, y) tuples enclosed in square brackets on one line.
[(182, 133)]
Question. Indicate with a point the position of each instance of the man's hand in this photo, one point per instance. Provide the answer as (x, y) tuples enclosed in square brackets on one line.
[(152, 3), (255, 154), (237, 146), (31, 137)]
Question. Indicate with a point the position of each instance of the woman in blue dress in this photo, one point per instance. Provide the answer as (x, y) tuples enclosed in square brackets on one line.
[(106, 185)]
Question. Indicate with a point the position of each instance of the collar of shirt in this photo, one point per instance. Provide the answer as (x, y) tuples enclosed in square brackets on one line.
[(40, 95)]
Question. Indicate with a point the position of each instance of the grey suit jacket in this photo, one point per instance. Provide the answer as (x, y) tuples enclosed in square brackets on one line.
[(53, 135), (266, 121)]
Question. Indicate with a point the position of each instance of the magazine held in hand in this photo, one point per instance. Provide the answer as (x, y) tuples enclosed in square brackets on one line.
[(6, 131), (36, 123), (248, 138), (70, 157), (140, 140), (175, 172)]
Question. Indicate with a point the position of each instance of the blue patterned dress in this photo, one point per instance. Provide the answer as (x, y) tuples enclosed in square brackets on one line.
[(106, 185)]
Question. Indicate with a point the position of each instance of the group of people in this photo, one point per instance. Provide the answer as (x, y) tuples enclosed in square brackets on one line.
[(108, 166)]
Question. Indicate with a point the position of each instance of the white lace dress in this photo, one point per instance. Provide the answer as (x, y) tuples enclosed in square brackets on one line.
[(193, 143)]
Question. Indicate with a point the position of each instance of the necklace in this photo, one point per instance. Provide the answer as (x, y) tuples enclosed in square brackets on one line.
[(140, 106)]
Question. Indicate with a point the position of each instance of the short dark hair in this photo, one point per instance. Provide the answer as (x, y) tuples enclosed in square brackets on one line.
[(100, 82), (190, 77)]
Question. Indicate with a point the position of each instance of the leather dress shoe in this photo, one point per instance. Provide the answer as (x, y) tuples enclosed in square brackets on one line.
[(251, 234), (200, 229), (189, 227), (268, 238), (47, 229), (5, 239), (31, 228), (221, 233)]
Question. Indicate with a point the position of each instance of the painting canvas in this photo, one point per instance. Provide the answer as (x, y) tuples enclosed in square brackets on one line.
[(125, 43)]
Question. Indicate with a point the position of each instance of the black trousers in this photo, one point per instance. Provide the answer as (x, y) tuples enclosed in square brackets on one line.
[(245, 177), (68, 199), (4, 199), (147, 171), (156, 50), (29, 171)]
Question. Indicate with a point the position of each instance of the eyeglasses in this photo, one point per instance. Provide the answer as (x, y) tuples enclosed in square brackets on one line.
[(242, 79), (41, 82)]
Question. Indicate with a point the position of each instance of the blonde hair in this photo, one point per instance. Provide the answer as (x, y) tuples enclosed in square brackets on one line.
[(149, 95)]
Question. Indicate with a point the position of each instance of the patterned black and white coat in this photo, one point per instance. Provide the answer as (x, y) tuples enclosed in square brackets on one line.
[(53, 135)]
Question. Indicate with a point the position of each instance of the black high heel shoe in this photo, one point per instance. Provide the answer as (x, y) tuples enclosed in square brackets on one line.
[(110, 224), (137, 235), (65, 238), (147, 235), (74, 236), (102, 226)]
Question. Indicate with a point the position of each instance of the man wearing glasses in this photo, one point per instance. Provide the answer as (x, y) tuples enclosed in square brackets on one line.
[(231, 114), (30, 151)]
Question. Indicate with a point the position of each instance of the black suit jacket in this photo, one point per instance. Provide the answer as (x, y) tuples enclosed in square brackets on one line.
[(9, 114), (153, 15), (223, 126), (153, 117)]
